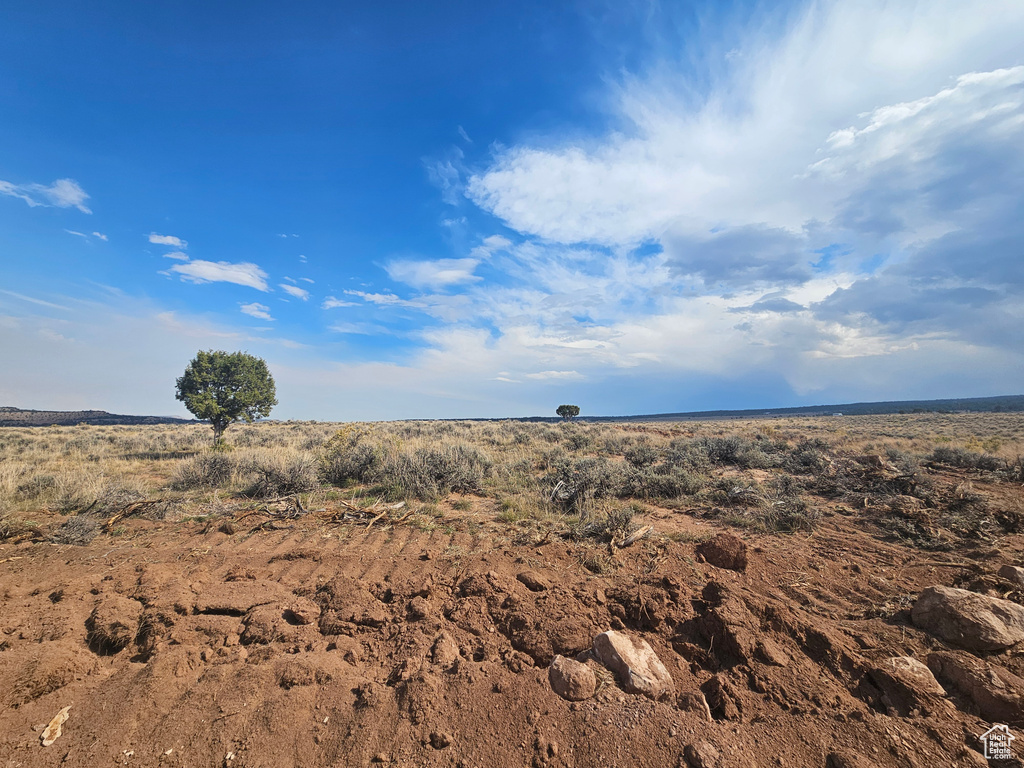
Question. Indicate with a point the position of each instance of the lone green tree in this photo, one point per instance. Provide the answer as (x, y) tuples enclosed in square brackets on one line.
[(224, 387), (568, 412)]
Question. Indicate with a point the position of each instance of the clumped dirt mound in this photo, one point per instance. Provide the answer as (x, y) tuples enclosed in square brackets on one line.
[(176, 645)]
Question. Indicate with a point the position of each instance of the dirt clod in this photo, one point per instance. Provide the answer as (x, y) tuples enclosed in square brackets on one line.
[(571, 680), (725, 551)]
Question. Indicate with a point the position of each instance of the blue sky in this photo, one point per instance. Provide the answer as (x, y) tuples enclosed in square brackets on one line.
[(489, 209)]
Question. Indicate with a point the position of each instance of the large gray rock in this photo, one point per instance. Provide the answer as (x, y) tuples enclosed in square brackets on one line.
[(635, 663), (969, 620), (571, 680), (998, 693)]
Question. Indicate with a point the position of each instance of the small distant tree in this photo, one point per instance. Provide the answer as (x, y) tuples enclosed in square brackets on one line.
[(225, 387), (568, 412)]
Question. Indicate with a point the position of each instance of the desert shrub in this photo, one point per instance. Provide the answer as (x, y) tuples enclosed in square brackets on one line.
[(279, 473), (459, 468), (577, 440), (613, 523), (663, 481), (643, 454), (688, 454), (961, 457), (575, 483), (206, 470), (36, 486)]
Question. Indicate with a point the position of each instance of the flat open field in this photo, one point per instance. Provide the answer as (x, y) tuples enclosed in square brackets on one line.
[(394, 594)]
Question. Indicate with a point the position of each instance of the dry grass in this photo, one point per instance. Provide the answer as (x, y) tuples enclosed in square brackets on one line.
[(766, 474)]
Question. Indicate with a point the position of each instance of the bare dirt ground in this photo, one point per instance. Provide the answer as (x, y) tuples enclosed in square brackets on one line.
[(311, 643)]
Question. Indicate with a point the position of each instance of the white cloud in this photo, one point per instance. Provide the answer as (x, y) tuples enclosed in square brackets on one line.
[(257, 310), (97, 235), (333, 303), (177, 255), (307, 280), (561, 375), (294, 290), (738, 155), (100, 236), (433, 274), (171, 240), (223, 272), (63, 193), (33, 300)]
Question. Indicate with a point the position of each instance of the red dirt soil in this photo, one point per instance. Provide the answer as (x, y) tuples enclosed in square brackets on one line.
[(329, 645)]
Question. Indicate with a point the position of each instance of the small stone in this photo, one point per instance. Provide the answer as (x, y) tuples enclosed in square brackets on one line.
[(694, 701), (419, 608), (1013, 573), (440, 739), (571, 680), (445, 650), (703, 754), (846, 760), (635, 664), (533, 581)]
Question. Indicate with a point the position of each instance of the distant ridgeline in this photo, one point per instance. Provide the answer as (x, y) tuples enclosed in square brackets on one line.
[(17, 417), (952, 405)]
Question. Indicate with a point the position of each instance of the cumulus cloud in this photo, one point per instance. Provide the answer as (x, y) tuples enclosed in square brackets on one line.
[(294, 290), (63, 193), (257, 310), (245, 273), (171, 240)]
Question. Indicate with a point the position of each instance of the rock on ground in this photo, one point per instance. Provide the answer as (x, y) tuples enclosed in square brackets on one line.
[(998, 693), (972, 621), (905, 684), (846, 760), (1013, 573), (725, 551), (571, 680), (703, 754), (634, 662)]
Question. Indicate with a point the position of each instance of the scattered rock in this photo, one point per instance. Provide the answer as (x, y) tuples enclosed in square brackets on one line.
[(770, 652), (113, 624), (440, 739), (694, 701), (571, 680), (725, 551), (419, 608), (703, 754), (445, 650), (905, 685), (997, 692), (722, 699), (301, 611), (846, 760), (1013, 574), (972, 621), (53, 731), (533, 581), (634, 662)]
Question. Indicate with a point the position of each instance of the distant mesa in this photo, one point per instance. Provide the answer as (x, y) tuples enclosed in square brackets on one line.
[(19, 417)]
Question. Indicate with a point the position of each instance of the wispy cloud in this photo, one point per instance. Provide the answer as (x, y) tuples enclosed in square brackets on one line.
[(332, 302), (97, 235), (33, 300), (176, 255), (171, 240), (245, 273), (294, 290), (63, 193), (257, 310), (433, 274)]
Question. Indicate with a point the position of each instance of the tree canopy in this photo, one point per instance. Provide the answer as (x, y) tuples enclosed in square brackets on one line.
[(568, 412), (225, 387)]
